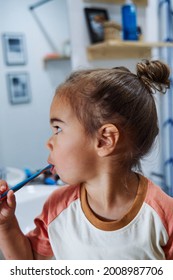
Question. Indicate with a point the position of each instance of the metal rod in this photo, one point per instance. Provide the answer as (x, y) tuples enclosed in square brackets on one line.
[(32, 7), (49, 40)]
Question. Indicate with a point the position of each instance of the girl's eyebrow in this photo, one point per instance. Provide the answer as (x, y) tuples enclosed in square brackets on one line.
[(52, 120)]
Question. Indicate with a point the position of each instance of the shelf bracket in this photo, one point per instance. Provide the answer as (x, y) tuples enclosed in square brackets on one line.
[(46, 35)]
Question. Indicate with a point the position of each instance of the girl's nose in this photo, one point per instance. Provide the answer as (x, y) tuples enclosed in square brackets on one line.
[(49, 144)]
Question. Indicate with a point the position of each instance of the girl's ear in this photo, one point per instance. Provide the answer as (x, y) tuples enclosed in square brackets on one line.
[(107, 139)]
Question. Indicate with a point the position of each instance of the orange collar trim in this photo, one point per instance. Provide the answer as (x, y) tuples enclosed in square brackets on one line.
[(126, 219)]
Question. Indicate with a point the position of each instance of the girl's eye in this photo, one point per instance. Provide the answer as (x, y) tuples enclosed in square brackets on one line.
[(57, 129)]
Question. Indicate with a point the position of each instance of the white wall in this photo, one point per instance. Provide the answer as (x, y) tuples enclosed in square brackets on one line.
[(25, 128)]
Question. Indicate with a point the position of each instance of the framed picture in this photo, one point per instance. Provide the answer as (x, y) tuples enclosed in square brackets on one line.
[(18, 88), (95, 19), (14, 49)]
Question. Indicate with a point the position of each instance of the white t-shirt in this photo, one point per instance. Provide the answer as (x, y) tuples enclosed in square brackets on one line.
[(68, 229)]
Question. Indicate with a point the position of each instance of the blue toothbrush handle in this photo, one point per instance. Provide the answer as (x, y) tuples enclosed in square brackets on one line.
[(24, 182)]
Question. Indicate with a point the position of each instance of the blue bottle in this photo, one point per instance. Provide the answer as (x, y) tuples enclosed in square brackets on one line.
[(129, 21)]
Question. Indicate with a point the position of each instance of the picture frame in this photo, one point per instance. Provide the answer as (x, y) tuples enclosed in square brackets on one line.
[(14, 49), (18, 88), (95, 17)]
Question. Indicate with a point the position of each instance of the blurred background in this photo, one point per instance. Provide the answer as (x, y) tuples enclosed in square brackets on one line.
[(43, 41)]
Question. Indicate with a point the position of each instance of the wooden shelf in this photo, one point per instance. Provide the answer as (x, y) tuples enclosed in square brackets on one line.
[(55, 57), (119, 2), (123, 50)]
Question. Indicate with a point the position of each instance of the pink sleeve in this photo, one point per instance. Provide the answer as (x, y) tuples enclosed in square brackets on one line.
[(167, 220), (39, 236), (55, 204), (163, 205)]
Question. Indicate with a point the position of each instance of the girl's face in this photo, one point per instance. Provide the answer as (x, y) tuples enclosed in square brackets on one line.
[(71, 151)]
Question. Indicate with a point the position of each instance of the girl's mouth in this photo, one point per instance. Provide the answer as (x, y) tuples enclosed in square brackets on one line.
[(52, 170)]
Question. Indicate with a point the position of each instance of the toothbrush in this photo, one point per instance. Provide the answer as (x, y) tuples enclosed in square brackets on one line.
[(24, 182)]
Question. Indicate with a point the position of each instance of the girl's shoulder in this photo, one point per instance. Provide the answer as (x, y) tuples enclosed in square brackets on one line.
[(157, 196), (65, 193), (160, 202), (59, 200)]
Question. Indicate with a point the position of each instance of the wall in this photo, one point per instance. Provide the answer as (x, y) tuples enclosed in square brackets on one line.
[(25, 128)]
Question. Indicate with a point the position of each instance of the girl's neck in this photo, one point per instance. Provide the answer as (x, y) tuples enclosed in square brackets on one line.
[(110, 196)]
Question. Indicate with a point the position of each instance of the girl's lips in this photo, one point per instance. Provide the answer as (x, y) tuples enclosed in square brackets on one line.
[(52, 170)]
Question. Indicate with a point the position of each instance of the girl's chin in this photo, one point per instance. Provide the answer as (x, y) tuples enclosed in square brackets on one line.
[(68, 182)]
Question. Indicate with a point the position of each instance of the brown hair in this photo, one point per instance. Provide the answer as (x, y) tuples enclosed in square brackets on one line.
[(117, 96)]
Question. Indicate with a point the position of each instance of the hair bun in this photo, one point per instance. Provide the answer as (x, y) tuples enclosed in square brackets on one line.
[(154, 74)]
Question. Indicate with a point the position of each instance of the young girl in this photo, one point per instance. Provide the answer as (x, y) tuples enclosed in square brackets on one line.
[(104, 121)]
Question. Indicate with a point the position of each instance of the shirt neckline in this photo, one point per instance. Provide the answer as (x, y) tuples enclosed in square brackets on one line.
[(126, 219)]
